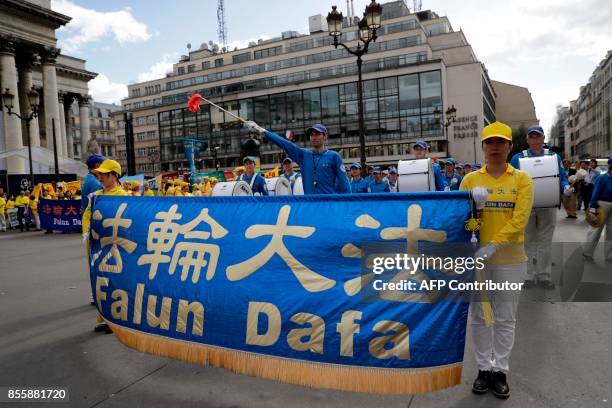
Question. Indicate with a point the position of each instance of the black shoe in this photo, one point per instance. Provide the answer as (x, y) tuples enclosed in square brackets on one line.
[(482, 382), (528, 284), (588, 257), (103, 328), (546, 284), (48, 232), (571, 217), (500, 385)]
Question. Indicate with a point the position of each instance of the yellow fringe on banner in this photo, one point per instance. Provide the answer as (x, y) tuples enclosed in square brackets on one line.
[(299, 372)]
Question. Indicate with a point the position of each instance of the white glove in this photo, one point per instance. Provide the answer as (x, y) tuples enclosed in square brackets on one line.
[(253, 127), (486, 252), (480, 195), (447, 188), (568, 191), (85, 237)]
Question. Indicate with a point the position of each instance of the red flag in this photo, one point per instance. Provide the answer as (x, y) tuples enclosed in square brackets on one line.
[(194, 102), (289, 135)]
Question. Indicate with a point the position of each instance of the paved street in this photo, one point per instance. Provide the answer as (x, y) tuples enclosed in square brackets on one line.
[(562, 357)]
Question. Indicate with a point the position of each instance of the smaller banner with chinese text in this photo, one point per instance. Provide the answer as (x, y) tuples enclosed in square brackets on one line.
[(60, 215)]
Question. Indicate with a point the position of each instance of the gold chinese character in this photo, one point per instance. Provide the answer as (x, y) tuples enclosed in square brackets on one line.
[(310, 280), (115, 241)]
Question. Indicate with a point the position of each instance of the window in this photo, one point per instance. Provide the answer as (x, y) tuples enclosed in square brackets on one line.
[(181, 70), (219, 62), (294, 107), (312, 105), (236, 59), (409, 99), (206, 65), (191, 68), (261, 106), (431, 91), (277, 110), (268, 52), (329, 104)]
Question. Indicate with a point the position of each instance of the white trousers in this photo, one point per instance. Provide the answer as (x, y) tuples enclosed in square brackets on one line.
[(538, 242), (2, 222), (593, 234), (493, 345)]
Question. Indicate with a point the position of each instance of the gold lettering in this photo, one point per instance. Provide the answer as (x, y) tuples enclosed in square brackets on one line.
[(100, 294), (314, 334), (274, 324), (119, 308), (347, 328), (138, 303), (398, 339), (195, 308), (163, 320)]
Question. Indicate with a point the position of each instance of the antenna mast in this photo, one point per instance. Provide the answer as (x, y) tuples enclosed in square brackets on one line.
[(221, 29)]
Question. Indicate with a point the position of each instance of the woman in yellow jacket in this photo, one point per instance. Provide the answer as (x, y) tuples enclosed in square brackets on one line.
[(504, 197), (108, 175), (34, 208)]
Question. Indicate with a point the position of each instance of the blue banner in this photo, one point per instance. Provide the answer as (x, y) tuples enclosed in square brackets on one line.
[(270, 286), (60, 215)]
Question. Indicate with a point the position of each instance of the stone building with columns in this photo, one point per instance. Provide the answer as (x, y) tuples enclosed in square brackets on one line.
[(29, 58)]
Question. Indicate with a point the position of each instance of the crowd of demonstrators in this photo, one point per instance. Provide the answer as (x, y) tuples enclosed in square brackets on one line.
[(600, 206)]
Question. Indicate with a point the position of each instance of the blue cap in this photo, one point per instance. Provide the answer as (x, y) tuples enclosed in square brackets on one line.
[(93, 160), (476, 165), (287, 160), (376, 169), (251, 158), (535, 129), (392, 170), (459, 165), (467, 164), (319, 127), (609, 161), (356, 166), (450, 160), (421, 144)]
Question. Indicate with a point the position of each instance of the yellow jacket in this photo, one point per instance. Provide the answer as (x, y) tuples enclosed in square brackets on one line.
[(149, 193), (506, 211), (34, 206), (86, 221), (22, 201), (2, 204), (10, 204)]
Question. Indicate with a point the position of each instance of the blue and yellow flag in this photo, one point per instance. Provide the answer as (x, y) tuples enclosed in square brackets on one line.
[(271, 286)]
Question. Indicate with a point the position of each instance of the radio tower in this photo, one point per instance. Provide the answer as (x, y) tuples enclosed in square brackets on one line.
[(417, 5), (221, 29)]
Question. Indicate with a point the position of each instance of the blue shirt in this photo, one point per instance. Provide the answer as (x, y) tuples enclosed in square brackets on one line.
[(360, 186), (452, 182), (602, 190), (563, 175), (259, 184), (322, 173), (438, 180), (378, 187), (90, 185)]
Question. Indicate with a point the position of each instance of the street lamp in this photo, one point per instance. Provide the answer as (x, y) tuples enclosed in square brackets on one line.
[(451, 116), (214, 150), (367, 33), (8, 100)]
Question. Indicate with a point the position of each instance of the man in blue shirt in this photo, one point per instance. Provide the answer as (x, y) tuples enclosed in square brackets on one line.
[(601, 198), (254, 180), (393, 179), (91, 183), (450, 177), (541, 226), (322, 170), (288, 172), (378, 185), (421, 148), (358, 184)]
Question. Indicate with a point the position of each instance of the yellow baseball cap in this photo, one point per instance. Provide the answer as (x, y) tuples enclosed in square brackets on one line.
[(497, 129), (107, 166)]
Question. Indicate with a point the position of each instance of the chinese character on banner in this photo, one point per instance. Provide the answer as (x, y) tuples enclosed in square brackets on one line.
[(70, 210), (47, 209), (310, 280), (58, 210), (161, 239), (115, 241)]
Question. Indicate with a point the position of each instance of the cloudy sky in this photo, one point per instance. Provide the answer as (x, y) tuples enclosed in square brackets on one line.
[(549, 46)]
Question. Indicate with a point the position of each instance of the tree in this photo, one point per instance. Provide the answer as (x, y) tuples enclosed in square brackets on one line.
[(519, 139)]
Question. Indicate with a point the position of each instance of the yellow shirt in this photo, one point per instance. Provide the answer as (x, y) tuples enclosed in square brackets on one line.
[(170, 192), (115, 191), (10, 204), (178, 192), (149, 193), (2, 204), (506, 211), (22, 201), (34, 206)]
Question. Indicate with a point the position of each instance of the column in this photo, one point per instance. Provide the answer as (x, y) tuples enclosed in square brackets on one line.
[(24, 64), (69, 129), (62, 122), (84, 122), (48, 57), (12, 124)]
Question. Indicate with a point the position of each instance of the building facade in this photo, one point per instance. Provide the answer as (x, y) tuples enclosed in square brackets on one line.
[(418, 65), (146, 141), (589, 118), (558, 130), (514, 105), (29, 58), (101, 128)]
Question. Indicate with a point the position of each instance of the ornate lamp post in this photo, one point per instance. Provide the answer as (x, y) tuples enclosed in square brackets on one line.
[(8, 100), (451, 116), (367, 33)]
